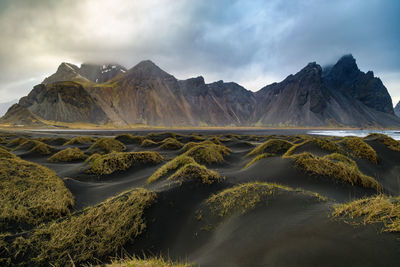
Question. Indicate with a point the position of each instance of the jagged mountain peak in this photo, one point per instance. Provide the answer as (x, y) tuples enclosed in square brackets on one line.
[(146, 69)]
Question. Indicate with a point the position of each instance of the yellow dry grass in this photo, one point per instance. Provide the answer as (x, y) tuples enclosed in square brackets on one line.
[(120, 161), (30, 194), (106, 145), (378, 209), (274, 146), (337, 166), (98, 233), (67, 155)]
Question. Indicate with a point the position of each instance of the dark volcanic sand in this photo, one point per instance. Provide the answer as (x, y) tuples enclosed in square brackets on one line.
[(291, 230)]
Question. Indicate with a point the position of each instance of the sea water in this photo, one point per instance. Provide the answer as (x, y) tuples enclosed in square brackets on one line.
[(395, 134)]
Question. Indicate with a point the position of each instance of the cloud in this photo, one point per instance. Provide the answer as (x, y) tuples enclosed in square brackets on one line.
[(251, 42)]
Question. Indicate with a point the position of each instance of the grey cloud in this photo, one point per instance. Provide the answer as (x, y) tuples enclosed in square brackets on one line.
[(251, 42)]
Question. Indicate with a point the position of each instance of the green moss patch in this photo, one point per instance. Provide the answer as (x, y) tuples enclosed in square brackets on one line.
[(120, 161), (378, 209), (360, 149), (30, 194), (129, 139), (337, 166), (98, 233), (323, 143), (275, 146), (106, 145), (80, 140), (34, 146), (67, 155)]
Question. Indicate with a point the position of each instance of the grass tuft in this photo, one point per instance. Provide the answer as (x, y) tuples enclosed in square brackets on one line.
[(275, 146), (257, 158), (170, 144), (106, 145), (208, 153), (129, 139), (80, 140), (34, 146), (67, 155), (245, 197), (388, 141), (147, 262), (378, 209), (360, 149), (194, 171), (30, 194), (120, 161), (97, 233), (148, 143), (337, 166), (170, 166), (4, 153)]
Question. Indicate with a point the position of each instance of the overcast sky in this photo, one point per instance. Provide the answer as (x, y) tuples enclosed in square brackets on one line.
[(252, 42)]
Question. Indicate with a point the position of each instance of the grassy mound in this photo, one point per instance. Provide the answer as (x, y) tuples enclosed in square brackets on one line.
[(80, 140), (190, 145), (388, 141), (158, 137), (98, 233), (147, 262), (379, 209), (106, 145), (245, 197), (68, 154), (257, 158), (360, 149), (34, 146), (17, 141), (129, 139), (30, 194), (120, 161), (208, 153), (4, 153), (194, 171), (323, 143), (53, 141), (275, 146), (337, 166), (170, 167), (170, 144), (148, 143)]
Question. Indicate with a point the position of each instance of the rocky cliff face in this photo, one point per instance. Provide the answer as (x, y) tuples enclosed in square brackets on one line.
[(340, 95), (63, 101), (397, 109)]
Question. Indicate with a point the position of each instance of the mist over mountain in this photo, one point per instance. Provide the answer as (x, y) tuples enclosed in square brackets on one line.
[(336, 96), (397, 109), (6, 105)]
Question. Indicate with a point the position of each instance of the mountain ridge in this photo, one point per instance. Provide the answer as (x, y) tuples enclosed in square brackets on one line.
[(340, 95)]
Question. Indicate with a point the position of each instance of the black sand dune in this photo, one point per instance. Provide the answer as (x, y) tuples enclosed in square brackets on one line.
[(286, 226)]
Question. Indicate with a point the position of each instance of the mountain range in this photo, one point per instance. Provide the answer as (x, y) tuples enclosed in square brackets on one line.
[(336, 96)]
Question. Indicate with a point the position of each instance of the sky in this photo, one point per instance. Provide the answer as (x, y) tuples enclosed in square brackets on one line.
[(253, 43)]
